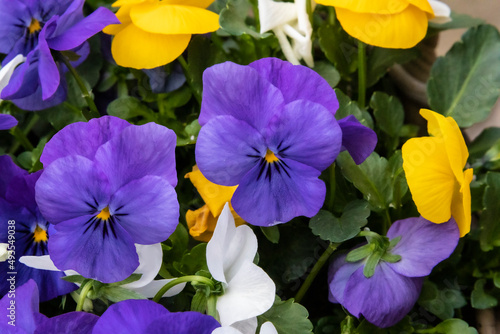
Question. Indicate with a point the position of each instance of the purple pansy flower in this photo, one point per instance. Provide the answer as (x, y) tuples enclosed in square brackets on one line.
[(7, 122), (270, 128), (387, 296), (148, 317), (20, 219), (107, 184), (33, 29), (20, 314)]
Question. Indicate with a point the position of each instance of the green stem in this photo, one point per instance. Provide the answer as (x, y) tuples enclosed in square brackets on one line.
[(361, 74), (315, 271), (185, 69), (184, 279), (387, 221), (333, 185), (93, 112), (83, 295), (331, 16), (21, 138), (212, 307)]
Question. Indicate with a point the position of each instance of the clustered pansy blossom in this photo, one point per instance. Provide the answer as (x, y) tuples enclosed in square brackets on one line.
[(35, 30), (106, 186), (270, 128), (416, 246)]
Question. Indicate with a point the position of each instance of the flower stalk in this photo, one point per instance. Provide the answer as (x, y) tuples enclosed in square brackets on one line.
[(184, 279)]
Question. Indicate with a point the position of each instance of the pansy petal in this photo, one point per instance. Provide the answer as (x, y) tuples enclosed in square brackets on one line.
[(229, 247), (72, 322), (268, 328), (226, 149), (68, 141), (83, 192), (297, 82), (26, 302), (306, 132), (368, 6), (194, 3), (226, 330), (47, 67), (35, 102), (129, 317), (383, 299), (442, 12), (151, 289), (273, 14), (399, 31), (189, 322), (249, 294), (339, 273), (43, 262), (135, 153), (150, 259), (357, 139), (164, 18), (148, 50), (94, 249), (7, 70), (147, 209), (282, 191), (8, 171), (7, 122), (239, 91), (461, 204), (423, 245)]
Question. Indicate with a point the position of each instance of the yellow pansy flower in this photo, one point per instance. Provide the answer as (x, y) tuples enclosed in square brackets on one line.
[(434, 168), (202, 222), (398, 24), (153, 33)]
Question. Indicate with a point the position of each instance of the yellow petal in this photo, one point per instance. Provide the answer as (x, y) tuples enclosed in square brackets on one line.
[(423, 5), (120, 3), (368, 6), (430, 178), (136, 48), (123, 14), (201, 223), (399, 31), (194, 3), (214, 195), (461, 204), (173, 19)]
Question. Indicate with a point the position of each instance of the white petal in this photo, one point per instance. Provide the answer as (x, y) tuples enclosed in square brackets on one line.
[(441, 12), (285, 46), (39, 262), (249, 294), (8, 69), (268, 328), (226, 330), (274, 14), (149, 290), (4, 254), (229, 247), (248, 326), (150, 258)]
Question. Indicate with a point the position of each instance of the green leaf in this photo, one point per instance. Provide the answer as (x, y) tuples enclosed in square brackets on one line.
[(402, 327), (74, 278), (454, 326), (116, 294), (272, 233), (348, 107), (480, 299), (380, 60), (441, 303), (339, 48), (327, 72), (483, 142), (458, 21), (388, 112), (191, 131), (233, 19), (328, 227), (288, 317), (199, 302), (463, 81), (132, 278), (489, 228), (128, 107), (193, 261)]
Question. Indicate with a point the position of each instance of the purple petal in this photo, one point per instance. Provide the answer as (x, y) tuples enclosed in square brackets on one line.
[(297, 82), (306, 132), (129, 317), (137, 151), (13, 13), (99, 250), (227, 148), (147, 209), (72, 322), (35, 102), (47, 68), (423, 244), (357, 139), (82, 138), (339, 273), (24, 302), (21, 191), (8, 171), (7, 122), (183, 323), (71, 187), (83, 30), (69, 13), (291, 189), (24, 80), (239, 91), (383, 299)]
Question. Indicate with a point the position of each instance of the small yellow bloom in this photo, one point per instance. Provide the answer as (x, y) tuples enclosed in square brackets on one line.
[(397, 24), (153, 33), (201, 222), (434, 168)]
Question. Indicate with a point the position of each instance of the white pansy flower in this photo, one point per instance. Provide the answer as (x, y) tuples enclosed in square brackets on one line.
[(441, 12), (7, 70), (248, 290), (266, 328), (289, 21)]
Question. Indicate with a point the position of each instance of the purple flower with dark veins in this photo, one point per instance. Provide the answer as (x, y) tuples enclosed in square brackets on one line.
[(35, 29), (106, 186), (270, 128), (382, 283)]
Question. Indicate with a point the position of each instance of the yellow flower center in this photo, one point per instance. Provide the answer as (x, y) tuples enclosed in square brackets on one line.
[(34, 26), (40, 235), (270, 157), (104, 214)]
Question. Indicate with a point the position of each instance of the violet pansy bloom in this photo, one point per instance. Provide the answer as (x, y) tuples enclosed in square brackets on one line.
[(148, 317), (387, 296), (24, 229), (270, 128), (7, 122), (106, 186), (34, 29)]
